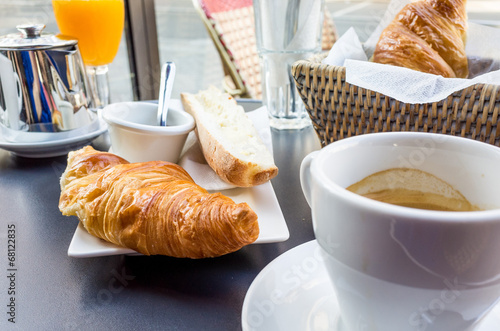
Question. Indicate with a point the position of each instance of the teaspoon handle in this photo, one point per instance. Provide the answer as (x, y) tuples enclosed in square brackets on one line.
[(166, 83)]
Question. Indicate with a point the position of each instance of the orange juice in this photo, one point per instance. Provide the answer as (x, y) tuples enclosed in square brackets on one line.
[(96, 24)]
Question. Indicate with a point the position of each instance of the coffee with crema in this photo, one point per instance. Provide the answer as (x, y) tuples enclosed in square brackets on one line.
[(412, 188)]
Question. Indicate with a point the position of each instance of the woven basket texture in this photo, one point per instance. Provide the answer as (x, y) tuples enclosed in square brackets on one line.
[(339, 109)]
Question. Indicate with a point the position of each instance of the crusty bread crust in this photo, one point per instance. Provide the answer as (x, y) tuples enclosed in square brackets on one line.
[(229, 167)]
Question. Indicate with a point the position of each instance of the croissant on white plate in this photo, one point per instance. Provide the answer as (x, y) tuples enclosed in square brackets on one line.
[(428, 36), (152, 207)]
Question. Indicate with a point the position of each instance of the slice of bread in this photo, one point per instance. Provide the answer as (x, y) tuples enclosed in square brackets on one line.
[(229, 141)]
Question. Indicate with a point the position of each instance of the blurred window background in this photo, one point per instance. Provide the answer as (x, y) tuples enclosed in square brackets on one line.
[(183, 39)]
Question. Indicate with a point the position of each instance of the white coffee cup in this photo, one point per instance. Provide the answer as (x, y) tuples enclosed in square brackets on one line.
[(399, 268)]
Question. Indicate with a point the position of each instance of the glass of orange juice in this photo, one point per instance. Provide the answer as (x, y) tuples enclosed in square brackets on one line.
[(98, 26)]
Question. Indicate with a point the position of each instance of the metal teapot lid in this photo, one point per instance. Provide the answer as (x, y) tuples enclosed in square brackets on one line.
[(31, 37)]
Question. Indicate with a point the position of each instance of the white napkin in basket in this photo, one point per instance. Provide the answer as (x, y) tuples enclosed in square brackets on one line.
[(347, 46), (407, 85), (411, 86), (193, 161)]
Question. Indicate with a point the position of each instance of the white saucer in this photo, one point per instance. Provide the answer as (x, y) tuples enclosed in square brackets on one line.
[(55, 147), (293, 292)]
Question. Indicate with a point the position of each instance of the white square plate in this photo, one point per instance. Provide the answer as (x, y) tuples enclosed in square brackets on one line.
[(262, 199)]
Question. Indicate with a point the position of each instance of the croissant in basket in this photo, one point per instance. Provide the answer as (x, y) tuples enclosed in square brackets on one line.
[(428, 36), (152, 207)]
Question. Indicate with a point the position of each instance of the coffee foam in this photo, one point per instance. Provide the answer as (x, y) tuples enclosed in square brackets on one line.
[(411, 188)]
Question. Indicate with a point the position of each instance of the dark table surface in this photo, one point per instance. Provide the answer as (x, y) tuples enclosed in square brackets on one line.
[(57, 292)]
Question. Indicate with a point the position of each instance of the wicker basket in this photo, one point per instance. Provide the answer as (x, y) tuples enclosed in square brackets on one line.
[(339, 110)]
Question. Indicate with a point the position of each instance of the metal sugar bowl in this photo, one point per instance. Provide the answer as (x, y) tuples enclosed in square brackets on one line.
[(44, 93)]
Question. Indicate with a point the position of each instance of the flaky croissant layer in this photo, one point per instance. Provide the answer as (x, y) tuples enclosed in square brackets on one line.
[(152, 207), (428, 36)]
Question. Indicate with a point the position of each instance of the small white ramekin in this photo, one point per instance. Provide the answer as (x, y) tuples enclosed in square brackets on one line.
[(136, 136)]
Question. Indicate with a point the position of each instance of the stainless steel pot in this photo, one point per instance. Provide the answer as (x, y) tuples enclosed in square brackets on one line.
[(43, 85)]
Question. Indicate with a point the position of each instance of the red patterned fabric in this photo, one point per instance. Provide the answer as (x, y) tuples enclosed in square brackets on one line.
[(233, 21), (217, 6)]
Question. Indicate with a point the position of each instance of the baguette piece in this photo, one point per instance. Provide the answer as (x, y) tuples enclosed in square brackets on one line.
[(229, 141), (152, 207)]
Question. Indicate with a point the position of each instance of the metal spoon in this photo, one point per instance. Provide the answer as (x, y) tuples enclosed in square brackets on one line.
[(166, 83)]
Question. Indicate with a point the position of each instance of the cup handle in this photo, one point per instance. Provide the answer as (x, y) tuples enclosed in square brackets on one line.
[(305, 175)]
